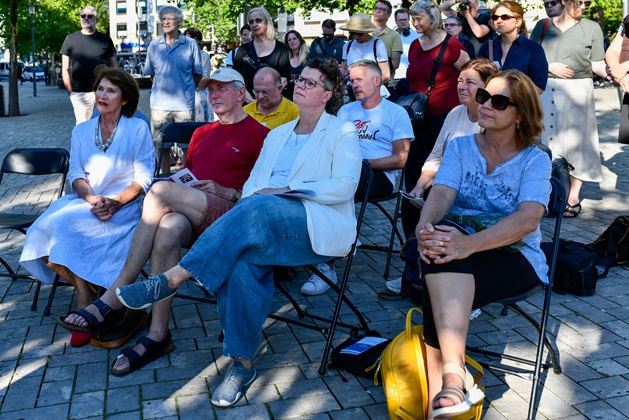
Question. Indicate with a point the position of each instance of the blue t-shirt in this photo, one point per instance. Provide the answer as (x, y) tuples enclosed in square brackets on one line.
[(524, 177), (173, 69), (524, 55)]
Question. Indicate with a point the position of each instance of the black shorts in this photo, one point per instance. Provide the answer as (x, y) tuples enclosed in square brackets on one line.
[(498, 274)]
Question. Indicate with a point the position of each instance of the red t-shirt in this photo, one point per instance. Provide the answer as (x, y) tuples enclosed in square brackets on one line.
[(226, 154), (443, 96)]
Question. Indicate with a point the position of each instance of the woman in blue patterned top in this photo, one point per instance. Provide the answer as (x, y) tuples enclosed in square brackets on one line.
[(495, 185)]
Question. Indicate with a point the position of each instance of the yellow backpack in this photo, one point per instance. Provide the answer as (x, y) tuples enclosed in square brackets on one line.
[(404, 378)]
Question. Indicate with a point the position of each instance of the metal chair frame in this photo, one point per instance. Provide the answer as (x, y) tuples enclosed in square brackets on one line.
[(557, 203), (32, 162), (179, 132)]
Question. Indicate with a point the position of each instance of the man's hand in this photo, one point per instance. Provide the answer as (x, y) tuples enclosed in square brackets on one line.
[(216, 189)]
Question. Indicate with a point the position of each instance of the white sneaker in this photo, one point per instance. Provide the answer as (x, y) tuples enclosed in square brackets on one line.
[(395, 285), (316, 286)]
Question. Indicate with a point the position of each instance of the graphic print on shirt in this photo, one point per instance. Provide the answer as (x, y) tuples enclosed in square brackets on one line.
[(362, 128)]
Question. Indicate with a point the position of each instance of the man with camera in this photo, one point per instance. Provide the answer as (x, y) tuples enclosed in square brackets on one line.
[(475, 24)]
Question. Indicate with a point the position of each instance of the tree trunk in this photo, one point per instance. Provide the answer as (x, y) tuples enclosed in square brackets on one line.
[(598, 15), (14, 99)]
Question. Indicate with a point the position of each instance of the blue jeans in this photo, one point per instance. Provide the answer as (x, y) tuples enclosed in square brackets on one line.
[(235, 257)]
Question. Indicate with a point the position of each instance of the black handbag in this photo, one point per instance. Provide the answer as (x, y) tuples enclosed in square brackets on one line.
[(414, 103), (362, 364)]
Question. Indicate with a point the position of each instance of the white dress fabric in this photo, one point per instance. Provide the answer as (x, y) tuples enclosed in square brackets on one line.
[(203, 111), (67, 232)]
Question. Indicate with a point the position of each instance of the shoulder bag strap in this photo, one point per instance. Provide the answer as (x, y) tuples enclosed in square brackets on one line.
[(491, 50), (349, 45), (323, 49), (254, 55), (435, 67), (546, 22), (375, 44)]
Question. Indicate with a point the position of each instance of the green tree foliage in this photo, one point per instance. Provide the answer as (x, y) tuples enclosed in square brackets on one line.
[(54, 19), (608, 13)]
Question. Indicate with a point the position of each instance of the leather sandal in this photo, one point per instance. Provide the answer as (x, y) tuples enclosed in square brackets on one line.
[(571, 212), (110, 317), (464, 399), (154, 350)]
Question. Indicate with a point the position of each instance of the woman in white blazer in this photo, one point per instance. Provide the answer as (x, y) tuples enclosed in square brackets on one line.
[(297, 209)]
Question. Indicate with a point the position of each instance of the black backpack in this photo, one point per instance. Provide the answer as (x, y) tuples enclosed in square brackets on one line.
[(612, 247), (575, 271)]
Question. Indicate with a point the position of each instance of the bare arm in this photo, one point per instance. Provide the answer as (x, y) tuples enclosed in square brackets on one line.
[(84, 190), (598, 67), (478, 30), (446, 7), (113, 61), (397, 160), (386, 73), (65, 73), (395, 59), (618, 70), (464, 57)]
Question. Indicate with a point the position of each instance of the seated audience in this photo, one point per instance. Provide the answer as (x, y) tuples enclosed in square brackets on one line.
[(500, 179), (235, 256), (384, 135), (270, 108), (112, 161), (461, 121), (174, 215)]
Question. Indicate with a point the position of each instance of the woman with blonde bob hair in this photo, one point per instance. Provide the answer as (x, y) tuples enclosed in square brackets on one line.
[(480, 225), (263, 51), (511, 49)]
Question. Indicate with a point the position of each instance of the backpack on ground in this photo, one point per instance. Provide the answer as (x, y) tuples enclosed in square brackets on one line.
[(575, 270), (612, 247), (404, 375)]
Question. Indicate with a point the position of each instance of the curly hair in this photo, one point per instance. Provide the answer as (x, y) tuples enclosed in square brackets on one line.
[(332, 79)]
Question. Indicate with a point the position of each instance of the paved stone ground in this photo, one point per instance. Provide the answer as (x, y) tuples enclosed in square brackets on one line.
[(42, 375)]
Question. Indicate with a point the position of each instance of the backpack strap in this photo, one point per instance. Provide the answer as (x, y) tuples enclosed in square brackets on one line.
[(254, 56), (323, 49), (546, 23)]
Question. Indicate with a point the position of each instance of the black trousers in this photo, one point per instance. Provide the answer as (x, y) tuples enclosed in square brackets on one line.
[(426, 134)]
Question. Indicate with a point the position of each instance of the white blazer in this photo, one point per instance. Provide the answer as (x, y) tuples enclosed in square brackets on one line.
[(328, 164)]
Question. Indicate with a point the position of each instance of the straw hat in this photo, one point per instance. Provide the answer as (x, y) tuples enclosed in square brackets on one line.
[(360, 23)]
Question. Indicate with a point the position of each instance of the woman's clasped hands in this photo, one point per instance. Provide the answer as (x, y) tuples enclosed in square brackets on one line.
[(441, 243), (104, 207)]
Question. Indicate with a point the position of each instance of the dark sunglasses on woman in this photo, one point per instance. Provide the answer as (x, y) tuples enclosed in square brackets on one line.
[(498, 102), (503, 17)]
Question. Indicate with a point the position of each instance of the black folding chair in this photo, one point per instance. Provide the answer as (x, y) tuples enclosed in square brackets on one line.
[(378, 202), (556, 206), (180, 133), (35, 162)]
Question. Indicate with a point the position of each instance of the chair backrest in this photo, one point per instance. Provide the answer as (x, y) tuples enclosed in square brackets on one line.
[(365, 182), (180, 132), (44, 161), (556, 206)]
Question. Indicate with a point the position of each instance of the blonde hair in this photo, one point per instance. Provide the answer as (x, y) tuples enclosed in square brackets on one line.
[(428, 8)]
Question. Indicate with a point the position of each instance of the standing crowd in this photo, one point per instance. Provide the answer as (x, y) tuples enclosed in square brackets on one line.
[(278, 163)]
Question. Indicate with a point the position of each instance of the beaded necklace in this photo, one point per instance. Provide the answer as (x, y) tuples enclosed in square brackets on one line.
[(105, 145)]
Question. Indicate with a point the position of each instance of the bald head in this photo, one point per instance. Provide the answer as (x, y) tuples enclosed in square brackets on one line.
[(267, 88)]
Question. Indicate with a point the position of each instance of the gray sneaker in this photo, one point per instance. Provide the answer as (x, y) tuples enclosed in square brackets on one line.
[(143, 294), (232, 387)]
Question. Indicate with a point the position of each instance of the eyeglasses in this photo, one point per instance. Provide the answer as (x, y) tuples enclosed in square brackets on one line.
[(582, 3), (380, 9), (551, 3), (261, 92), (450, 25), (499, 102), (86, 16), (256, 20), (327, 35), (167, 19), (503, 17), (309, 83)]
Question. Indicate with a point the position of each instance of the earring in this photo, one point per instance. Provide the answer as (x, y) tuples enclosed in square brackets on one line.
[(517, 125)]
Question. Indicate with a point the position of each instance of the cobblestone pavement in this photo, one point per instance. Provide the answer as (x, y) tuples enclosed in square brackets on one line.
[(41, 375)]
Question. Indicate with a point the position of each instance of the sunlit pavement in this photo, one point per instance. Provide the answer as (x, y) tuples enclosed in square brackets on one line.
[(42, 376)]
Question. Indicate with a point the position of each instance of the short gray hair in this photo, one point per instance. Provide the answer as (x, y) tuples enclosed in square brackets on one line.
[(428, 8), (371, 66), (91, 9), (171, 10)]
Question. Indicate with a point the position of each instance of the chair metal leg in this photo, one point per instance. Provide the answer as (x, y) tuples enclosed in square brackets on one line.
[(394, 231), (55, 284), (36, 297)]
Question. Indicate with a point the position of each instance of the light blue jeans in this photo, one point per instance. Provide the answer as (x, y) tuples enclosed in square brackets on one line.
[(235, 257)]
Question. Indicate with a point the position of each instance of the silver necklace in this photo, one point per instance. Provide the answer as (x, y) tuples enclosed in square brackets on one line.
[(105, 145)]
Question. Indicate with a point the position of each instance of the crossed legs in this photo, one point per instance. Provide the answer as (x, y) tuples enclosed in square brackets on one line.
[(168, 215)]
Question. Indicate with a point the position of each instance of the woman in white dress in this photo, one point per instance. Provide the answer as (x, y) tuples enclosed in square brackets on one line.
[(85, 236)]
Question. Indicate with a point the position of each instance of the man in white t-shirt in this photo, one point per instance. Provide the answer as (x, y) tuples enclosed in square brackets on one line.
[(408, 35), (384, 135)]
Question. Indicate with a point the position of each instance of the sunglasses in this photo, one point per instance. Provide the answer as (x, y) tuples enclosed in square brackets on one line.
[(256, 20), (498, 102), (551, 3), (503, 17), (85, 16), (450, 25), (585, 3), (327, 35)]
